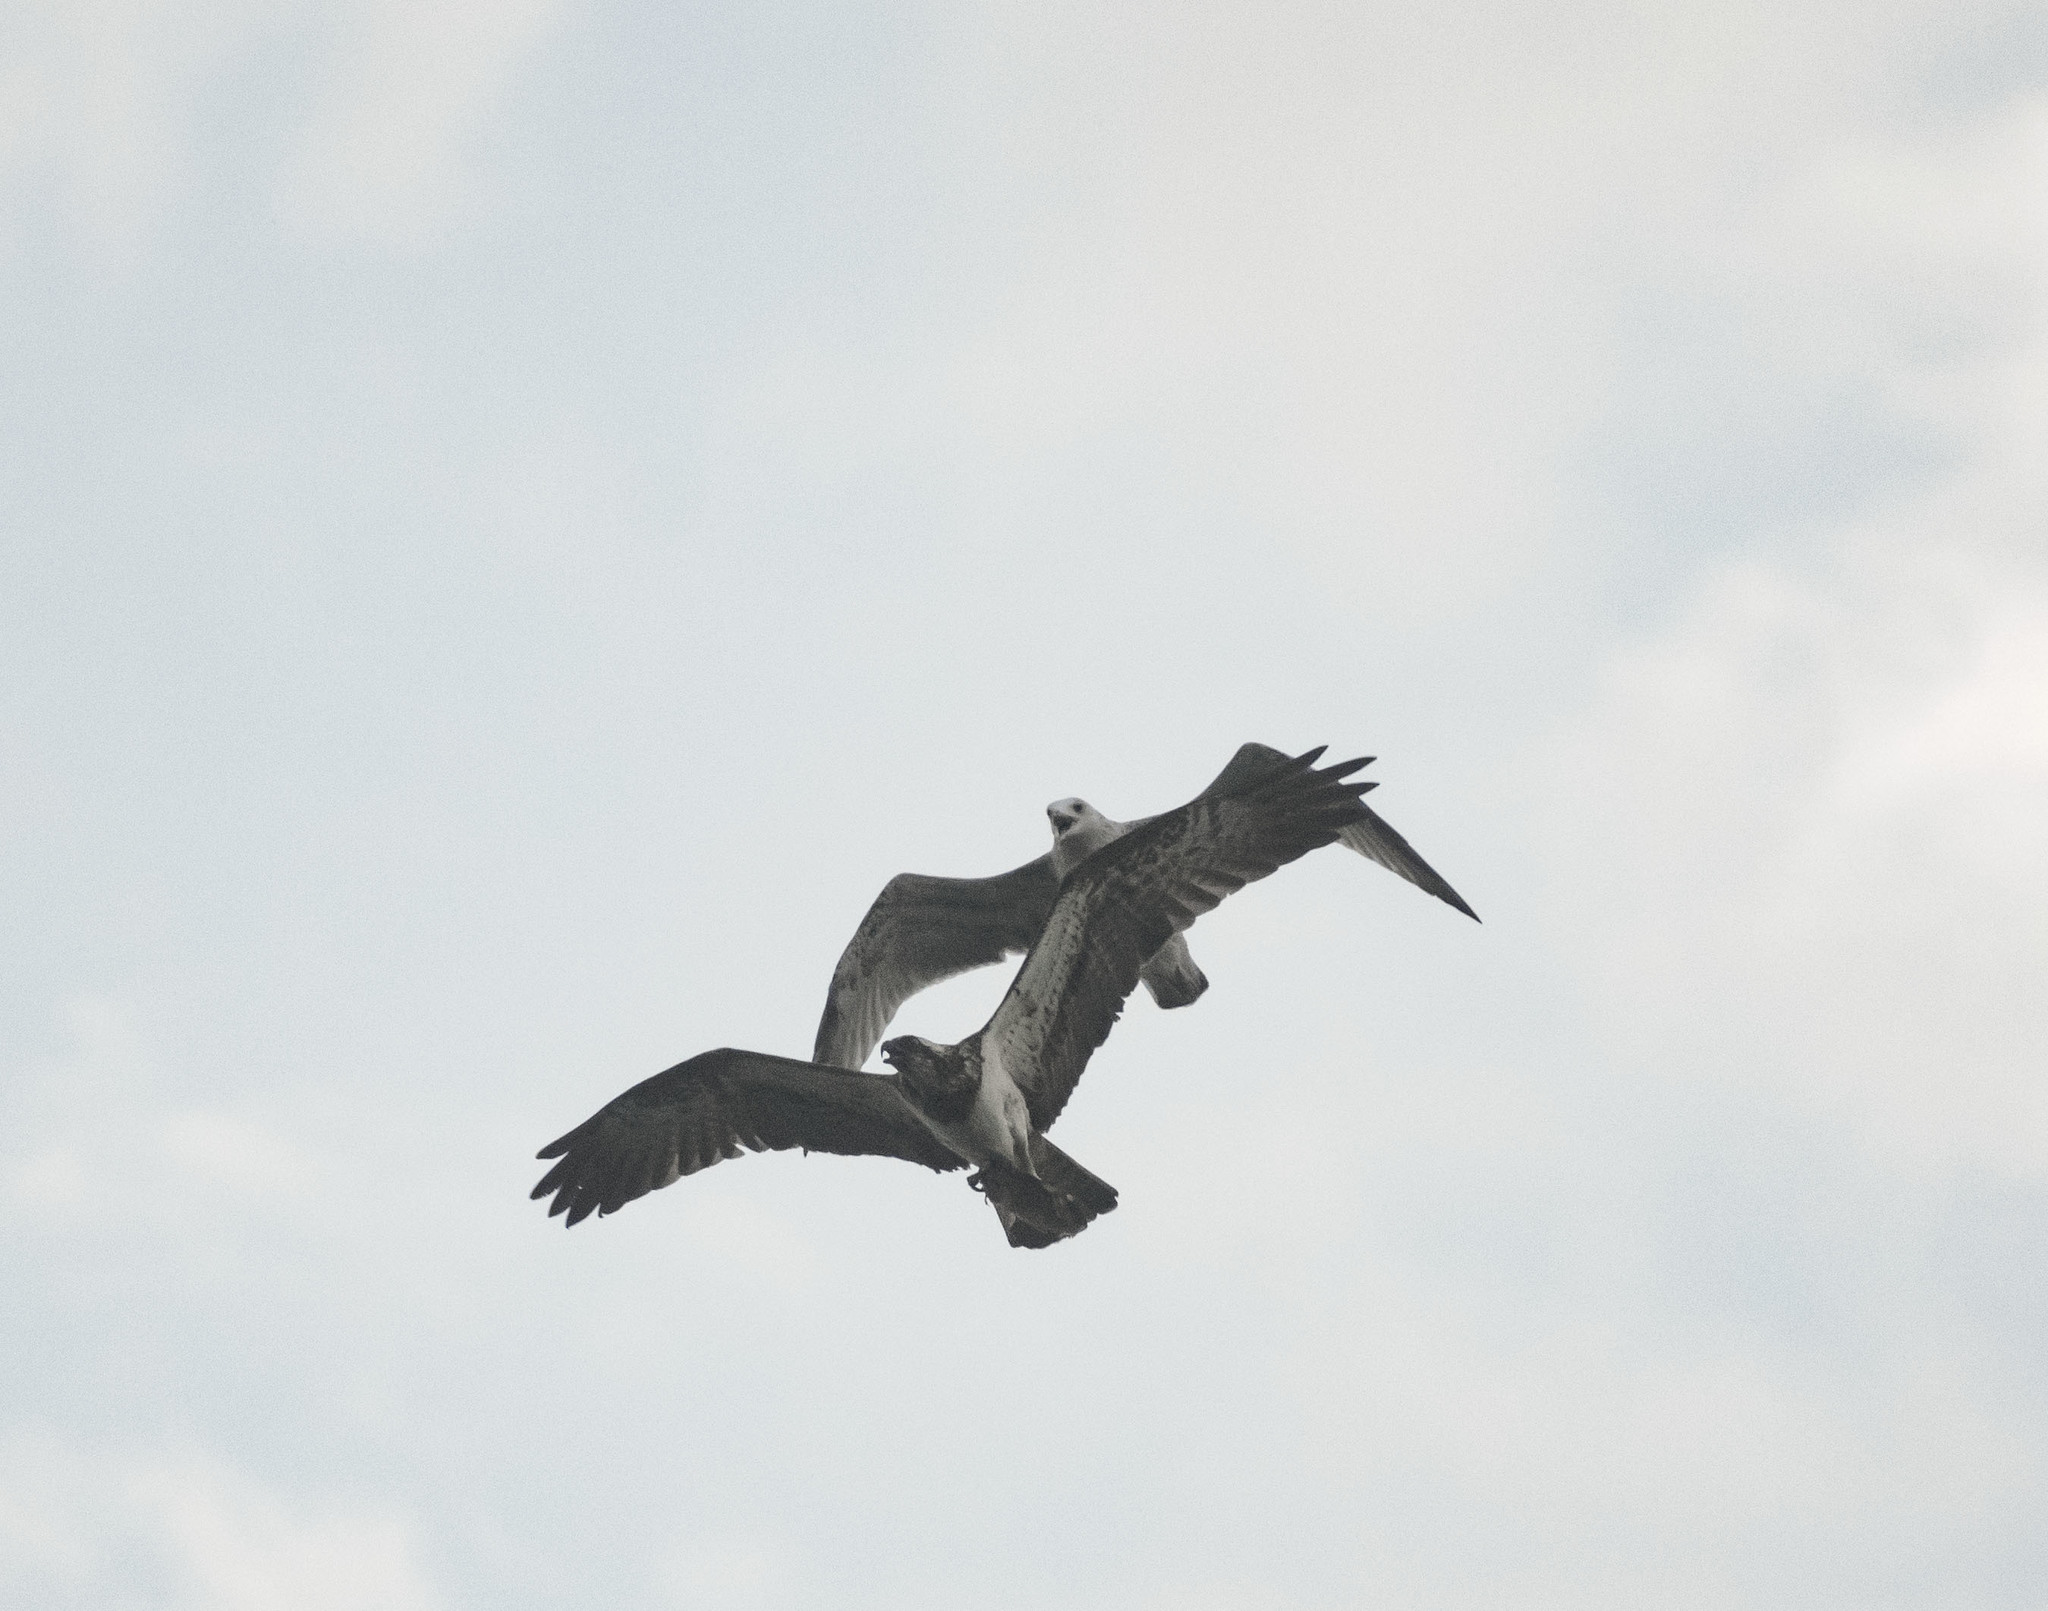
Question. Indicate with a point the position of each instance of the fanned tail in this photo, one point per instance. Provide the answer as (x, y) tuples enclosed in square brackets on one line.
[(1063, 1201)]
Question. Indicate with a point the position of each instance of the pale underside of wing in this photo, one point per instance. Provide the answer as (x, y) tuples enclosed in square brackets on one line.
[(1373, 837), (1118, 907), (717, 1106), (921, 930)]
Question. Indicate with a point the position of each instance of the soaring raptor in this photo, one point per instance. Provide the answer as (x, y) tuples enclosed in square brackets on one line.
[(985, 1101), (923, 929)]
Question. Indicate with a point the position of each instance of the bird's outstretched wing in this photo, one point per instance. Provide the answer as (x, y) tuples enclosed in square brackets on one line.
[(921, 930), (718, 1105), (1373, 837), (1126, 900)]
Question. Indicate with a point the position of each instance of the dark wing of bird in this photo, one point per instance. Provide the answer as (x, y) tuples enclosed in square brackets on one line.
[(1126, 900), (921, 930), (1373, 837), (718, 1105)]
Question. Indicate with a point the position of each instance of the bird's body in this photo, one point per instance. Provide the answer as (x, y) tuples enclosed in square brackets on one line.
[(986, 1100), (999, 1123), (1078, 831), (966, 1097)]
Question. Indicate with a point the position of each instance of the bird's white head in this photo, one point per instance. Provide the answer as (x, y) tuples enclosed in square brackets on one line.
[(1068, 814)]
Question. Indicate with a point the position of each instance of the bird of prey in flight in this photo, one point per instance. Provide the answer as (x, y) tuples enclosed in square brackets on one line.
[(987, 1100), (921, 929)]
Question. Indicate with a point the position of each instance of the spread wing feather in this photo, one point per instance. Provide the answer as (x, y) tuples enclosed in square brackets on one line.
[(1372, 836), (921, 930), (1119, 906), (1375, 839), (718, 1105)]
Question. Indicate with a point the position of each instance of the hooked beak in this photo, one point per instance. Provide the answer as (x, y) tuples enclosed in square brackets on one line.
[(1061, 820)]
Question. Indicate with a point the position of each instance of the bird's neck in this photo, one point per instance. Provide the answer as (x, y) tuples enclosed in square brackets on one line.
[(1081, 841)]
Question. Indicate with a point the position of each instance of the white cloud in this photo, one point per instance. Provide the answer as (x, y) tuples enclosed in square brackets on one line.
[(96, 97), (1308, 274), (1589, 1417), (392, 132), (50, 1179), (234, 1152), (241, 1549), (1799, 838), (99, 1130), (727, 1572), (1968, 755), (100, 102), (1800, 831), (189, 1535)]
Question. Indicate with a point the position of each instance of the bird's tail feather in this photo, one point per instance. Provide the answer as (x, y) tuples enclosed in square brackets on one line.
[(1171, 975), (1063, 1200)]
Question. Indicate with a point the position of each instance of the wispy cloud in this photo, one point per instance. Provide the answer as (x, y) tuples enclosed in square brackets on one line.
[(1809, 810), (102, 107), (99, 1132), (393, 130), (80, 1530)]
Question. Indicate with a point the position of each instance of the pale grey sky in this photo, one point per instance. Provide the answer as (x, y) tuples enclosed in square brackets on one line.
[(519, 517)]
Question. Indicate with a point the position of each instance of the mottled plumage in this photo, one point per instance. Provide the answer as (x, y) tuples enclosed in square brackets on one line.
[(922, 929)]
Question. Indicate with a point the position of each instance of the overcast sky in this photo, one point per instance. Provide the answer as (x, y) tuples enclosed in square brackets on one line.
[(519, 517)]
